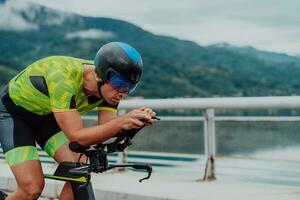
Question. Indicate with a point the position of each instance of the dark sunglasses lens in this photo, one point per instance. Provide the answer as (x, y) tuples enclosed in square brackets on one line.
[(119, 83)]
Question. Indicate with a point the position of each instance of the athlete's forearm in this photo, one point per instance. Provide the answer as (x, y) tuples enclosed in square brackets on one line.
[(99, 133), (71, 124)]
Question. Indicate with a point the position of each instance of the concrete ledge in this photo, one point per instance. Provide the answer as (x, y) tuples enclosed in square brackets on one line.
[(125, 185)]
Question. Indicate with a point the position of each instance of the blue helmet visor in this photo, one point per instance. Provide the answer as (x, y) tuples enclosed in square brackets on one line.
[(121, 84)]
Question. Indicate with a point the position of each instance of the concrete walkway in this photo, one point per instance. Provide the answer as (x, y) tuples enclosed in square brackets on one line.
[(125, 185)]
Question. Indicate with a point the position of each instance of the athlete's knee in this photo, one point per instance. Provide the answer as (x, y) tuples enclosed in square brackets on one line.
[(33, 189)]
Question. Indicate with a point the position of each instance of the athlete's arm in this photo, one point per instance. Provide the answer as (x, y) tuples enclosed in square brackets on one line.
[(71, 124), (105, 116)]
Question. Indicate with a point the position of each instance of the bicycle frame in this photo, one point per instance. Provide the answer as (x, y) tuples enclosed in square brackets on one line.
[(79, 174), (81, 186)]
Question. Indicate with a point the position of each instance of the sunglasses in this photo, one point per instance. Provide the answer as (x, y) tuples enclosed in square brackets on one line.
[(121, 84)]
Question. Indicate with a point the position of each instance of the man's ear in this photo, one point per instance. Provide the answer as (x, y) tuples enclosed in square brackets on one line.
[(98, 79)]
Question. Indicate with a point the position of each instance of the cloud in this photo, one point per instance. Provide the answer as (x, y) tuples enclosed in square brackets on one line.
[(266, 24), (11, 18), (21, 15), (90, 34)]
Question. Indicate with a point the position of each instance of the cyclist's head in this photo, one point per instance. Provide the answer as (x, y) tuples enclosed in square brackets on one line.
[(120, 65)]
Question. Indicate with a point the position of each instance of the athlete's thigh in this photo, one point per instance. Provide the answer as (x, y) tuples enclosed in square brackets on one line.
[(20, 152), (17, 141), (54, 141)]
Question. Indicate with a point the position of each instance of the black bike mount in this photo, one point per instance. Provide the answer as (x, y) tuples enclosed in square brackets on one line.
[(79, 174), (97, 155)]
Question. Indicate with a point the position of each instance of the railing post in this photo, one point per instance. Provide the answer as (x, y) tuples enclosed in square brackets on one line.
[(210, 144)]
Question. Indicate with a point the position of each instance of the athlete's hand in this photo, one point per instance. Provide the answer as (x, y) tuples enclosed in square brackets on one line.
[(135, 119), (152, 120)]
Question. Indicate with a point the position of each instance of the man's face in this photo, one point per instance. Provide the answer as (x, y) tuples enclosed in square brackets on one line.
[(112, 95)]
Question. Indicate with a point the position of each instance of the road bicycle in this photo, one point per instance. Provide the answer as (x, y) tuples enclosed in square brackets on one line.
[(79, 174)]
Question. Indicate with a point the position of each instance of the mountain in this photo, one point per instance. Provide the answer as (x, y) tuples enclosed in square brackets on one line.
[(6, 74), (173, 67), (251, 51)]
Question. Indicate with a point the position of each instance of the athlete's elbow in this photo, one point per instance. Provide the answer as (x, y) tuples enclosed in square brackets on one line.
[(80, 138), (75, 137), (83, 141)]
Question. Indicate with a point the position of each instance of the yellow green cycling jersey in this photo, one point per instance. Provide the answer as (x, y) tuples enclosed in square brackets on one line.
[(53, 84)]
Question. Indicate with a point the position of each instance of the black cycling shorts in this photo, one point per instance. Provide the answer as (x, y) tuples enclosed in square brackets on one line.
[(21, 129)]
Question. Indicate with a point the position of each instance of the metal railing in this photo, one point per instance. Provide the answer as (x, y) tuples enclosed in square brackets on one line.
[(208, 106)]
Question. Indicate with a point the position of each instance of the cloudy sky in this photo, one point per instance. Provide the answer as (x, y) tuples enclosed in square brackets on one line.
[(272, 25)]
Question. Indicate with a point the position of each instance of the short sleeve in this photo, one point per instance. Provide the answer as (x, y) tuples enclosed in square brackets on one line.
[(62, 92)]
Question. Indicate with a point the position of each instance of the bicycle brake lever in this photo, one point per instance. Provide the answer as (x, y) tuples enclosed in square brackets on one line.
[(156, 118)]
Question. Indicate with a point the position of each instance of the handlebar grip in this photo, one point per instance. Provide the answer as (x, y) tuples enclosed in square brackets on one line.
[(76, 147), (132, 132)]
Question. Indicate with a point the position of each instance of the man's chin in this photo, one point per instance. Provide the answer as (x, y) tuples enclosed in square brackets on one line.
[(112, 101)]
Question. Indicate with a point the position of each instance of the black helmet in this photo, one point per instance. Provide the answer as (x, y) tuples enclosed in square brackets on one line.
[(119, 58)]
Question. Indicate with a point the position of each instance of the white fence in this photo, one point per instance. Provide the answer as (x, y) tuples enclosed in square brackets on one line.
[(208, 105)]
